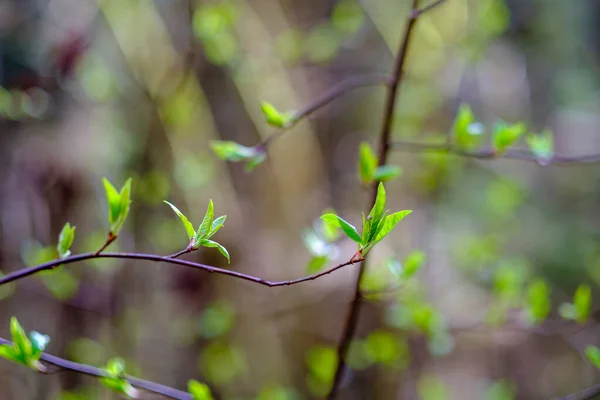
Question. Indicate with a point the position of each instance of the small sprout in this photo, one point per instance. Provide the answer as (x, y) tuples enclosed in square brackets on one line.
[(375, 226), (537, 301), (65, 240), (369, 172), (541, 146), (232, 151), (116, 379), (468, 133), (118, 205), (199, 391), (505, 135), (276, 118), (24, 350), (579, 310)]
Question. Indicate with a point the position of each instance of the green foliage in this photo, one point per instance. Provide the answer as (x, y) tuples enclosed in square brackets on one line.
[(369, 172), (538, 303), (375, 226), (275, 117), (25, 350), (579, 310), (593, 354), (468, 133), (321, 362), (430, 387), (347, 16), (209, 226), (216, 320), (499, 390), (232, 151), (541, 146), (320, 242), (278, 392), (385, 348), (65, 240), (221, 362), (115, 368), (505, 135), (199, 391), (118, 204)]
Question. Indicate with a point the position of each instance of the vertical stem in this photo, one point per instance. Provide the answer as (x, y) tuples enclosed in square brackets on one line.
[(384, 147)]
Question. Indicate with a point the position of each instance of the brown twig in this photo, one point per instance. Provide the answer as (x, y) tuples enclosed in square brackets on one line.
[(384, 147), (22, 273), (66, 365), (490, 154), (109, 239)]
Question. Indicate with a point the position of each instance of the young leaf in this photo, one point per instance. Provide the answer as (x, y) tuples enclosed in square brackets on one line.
[(316, 264), (413, 263), (593, 354), (386, 172), (38, 343), (274, 117), (199, 391), (189, 228), (541, 146), (217, 224), (374, 219), (21, 343), (207, 221), (348, 229), (367, 163), (113, 199), (467, 132), (65, 240), (389, 223), (232, 151), (10, 353), (505, 135), (538, 301), (582, 302), (125, 202), (116, 369), (221, 248)]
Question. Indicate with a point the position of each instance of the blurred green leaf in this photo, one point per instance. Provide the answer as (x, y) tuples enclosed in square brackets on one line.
[(593, 354), (413, 263), (386, 172), (232, 151), (38, 343), (467, 132), (274, 117), (189, 228), (347, 16), (277, 392), (541, 146), (316, 264), (199, 391), (348, 229), (322, 362), (61, 283), (216, 320), (65, 240), (499, 390), (116, 381), (579, 310), (538, 303), (431, 388), (221, 362), (385, 348), (367, 163), (505, 135)]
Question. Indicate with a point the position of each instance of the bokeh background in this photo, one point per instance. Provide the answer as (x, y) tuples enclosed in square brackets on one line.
[(139, 88)]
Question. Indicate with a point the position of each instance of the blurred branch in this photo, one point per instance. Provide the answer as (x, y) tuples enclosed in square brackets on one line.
[(490, 154), (22, 273), (587, 394), (66, 365), (384, 148), (329, 96)]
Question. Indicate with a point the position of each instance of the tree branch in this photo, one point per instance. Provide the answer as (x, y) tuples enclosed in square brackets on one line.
[(66, 365), (587, 394), (22, 273), (384, 147), (490, 154)]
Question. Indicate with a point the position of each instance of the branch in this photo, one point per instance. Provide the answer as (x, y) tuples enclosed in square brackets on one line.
[(384, 147), (489, 154), (22, 273), (66, 365), (327, 97), (586, 394)]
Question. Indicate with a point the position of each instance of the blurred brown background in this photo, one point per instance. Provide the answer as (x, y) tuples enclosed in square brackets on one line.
[(138, 88)]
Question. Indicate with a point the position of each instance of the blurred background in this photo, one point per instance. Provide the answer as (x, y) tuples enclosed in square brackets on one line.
[(139, 88)]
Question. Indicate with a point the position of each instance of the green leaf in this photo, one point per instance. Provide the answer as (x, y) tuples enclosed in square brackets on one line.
[(10, 353), (113, 199), (505, 135), (274, 117), (413, 263), (373, 223), (538, 301), (125, 202), (116, 367), (65, 240), (116, 370), (348, 229), (541, 146), (386, 172), (389, 223), (593, 354), (582, 302), (21, 343), (232, 151), (211, 243), (199, 391), (38, 343), (189, 228), (316, 264), (207, 221), (367, 163), (467, 132), (217, 224)]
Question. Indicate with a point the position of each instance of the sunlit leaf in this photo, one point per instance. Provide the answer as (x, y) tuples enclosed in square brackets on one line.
[(367, 163), (274, 117), (348, 229), (221, 248), (199, 391), (189, 228), (505, 135), (538, 301), (390, 222), (386, 172)]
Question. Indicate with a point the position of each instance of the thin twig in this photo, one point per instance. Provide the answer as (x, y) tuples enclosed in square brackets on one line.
[(384, 147), (490, 154), (22, 273), (66, 365), (109, 239), (430, 7), (188, 249), (333, 93)]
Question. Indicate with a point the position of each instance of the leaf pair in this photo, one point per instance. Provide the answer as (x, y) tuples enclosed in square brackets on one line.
[(25, 350), (369, 172), (209, 226), (375, 226), (118, 205), (579, 310), (232, 151), (116, 381)]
